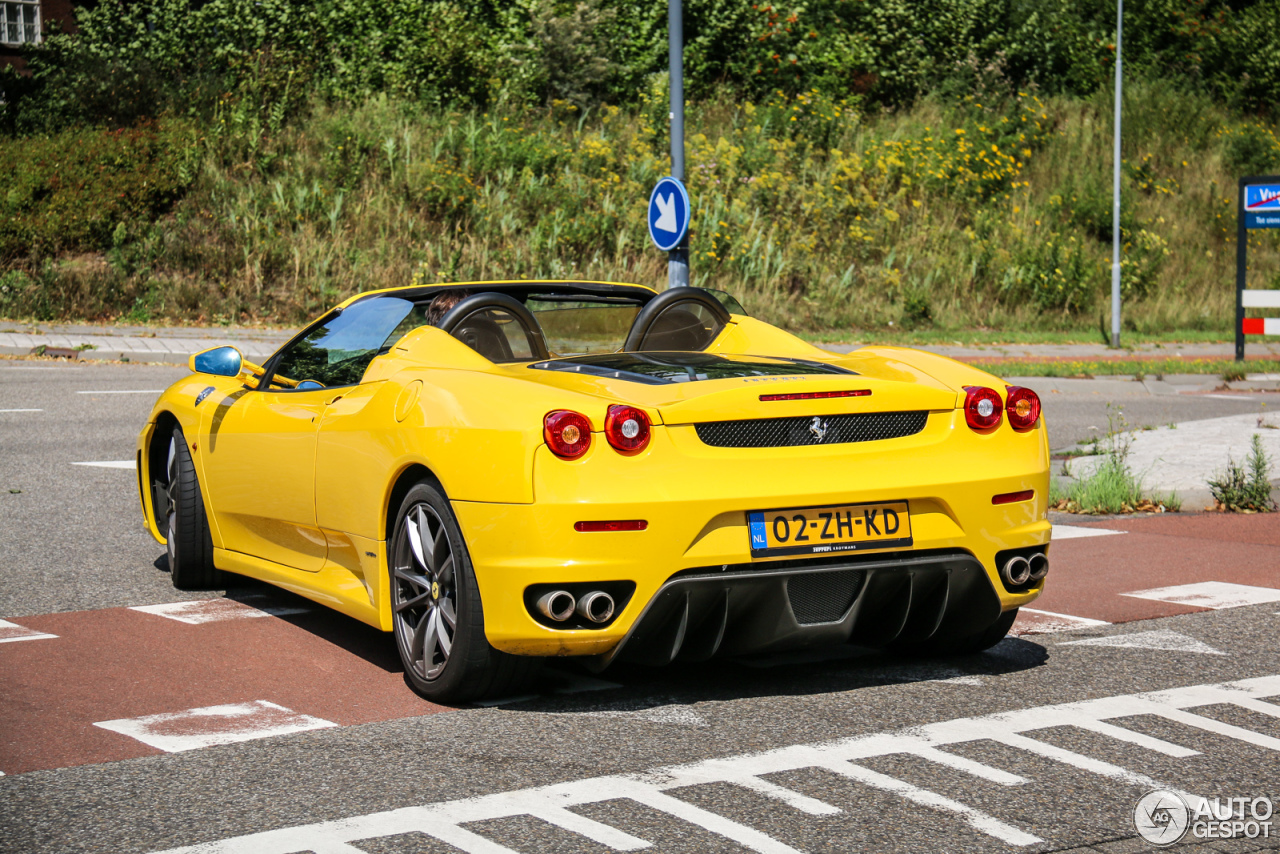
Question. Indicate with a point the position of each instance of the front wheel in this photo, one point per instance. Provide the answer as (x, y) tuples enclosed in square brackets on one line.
[(187, 537), (437, 615)]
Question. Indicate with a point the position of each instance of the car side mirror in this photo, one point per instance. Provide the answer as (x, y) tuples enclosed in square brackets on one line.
[(220, 361)]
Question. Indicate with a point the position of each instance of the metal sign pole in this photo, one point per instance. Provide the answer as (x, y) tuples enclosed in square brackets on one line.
[(677, 258), (1115, 207), (1242, 266)]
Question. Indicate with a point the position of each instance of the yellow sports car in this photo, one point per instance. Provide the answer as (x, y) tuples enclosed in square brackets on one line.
[(498, 472)]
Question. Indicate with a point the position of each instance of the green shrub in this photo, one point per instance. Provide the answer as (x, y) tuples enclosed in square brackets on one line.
[(71, 191), (1251, 149), (1112, 487), (1057, 273)]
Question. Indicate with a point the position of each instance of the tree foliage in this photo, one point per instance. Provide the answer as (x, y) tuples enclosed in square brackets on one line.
[(137, 58)]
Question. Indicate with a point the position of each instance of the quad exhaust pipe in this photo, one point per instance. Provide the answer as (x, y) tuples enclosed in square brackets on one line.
[(1016, 571), (596, 606), (1019, 571), (557, 605)]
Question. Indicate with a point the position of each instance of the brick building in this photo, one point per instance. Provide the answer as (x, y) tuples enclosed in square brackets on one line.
[(26, 21)]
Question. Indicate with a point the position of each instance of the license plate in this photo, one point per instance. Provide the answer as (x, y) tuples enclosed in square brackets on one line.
[(838, 528)]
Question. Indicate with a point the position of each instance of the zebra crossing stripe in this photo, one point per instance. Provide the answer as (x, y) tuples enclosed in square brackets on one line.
[(552, 804)]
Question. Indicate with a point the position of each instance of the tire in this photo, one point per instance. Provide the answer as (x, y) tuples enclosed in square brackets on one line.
[(187, 536), (437, 615), (966, 645)]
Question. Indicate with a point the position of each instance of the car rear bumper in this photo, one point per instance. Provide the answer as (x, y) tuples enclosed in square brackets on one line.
[(693, 567)]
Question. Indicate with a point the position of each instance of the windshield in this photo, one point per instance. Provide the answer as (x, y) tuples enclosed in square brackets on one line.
[(580, 328)]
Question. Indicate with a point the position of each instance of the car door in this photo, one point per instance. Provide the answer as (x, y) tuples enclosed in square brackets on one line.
[(261, 463)]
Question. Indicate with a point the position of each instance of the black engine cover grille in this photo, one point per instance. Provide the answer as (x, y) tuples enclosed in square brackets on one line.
[(823, 597), (787, 432)]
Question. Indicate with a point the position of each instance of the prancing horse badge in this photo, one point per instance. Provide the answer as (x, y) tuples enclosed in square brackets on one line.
[(818, 428)]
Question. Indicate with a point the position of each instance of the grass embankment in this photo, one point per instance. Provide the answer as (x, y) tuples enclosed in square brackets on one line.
[(990, 212)]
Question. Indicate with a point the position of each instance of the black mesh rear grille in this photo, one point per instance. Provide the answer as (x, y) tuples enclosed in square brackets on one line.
[(806, 430), (823, 597)]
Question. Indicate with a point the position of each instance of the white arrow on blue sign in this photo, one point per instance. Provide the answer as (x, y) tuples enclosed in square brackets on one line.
[(1262, 206), (668, 214)]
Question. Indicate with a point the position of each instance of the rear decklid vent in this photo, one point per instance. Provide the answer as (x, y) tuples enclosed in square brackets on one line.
[(811, 430)]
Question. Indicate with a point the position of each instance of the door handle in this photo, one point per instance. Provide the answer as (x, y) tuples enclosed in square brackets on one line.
[(332, 401)]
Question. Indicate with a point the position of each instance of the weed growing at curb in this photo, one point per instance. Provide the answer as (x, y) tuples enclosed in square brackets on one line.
[(1111, 487), (1239, 491)]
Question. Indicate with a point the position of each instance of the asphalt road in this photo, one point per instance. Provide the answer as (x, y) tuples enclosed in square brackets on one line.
[(847, 750)]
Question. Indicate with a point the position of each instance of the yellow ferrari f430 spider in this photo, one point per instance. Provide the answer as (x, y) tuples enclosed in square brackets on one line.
[(500, 472)]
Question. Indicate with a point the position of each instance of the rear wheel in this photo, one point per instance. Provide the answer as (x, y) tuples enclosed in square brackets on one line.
[(965, 645), (187, 536), (437, 615)]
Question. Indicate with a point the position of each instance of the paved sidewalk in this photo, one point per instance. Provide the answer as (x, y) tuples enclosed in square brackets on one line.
[(170, 345), (1181, 458)]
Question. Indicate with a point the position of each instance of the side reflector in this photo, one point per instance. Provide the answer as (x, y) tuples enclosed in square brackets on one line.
[(1013, 497), (818, 395), (630, 525)]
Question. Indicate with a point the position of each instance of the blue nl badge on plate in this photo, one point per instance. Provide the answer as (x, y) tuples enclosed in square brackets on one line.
[(759, 540)]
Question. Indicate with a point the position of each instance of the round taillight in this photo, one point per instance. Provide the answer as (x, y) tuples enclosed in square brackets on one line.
[(568, 434), (1023, 407), (627, 428), (982, 407)]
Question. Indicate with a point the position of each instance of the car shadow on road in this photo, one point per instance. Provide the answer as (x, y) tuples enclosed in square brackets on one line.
[(838, 669), (348, 634)]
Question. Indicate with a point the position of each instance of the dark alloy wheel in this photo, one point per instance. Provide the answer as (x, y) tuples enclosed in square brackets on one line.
[(187, 537), (437, 615)]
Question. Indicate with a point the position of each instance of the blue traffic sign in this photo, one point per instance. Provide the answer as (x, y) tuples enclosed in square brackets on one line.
[(668, 214), (1262, 206)]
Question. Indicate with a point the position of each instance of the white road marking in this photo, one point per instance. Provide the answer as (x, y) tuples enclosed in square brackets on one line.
[(110, 464), (1243, 397), (216, 610), (1161, 639), (1035, 622), (1210, 594), (13, 632), (21, 410), (174, 732), (124, 391), (443, 820), (1071, 532)]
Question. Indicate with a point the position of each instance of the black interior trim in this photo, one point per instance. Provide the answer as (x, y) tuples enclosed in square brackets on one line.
[(664, 301), (482, 301)]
